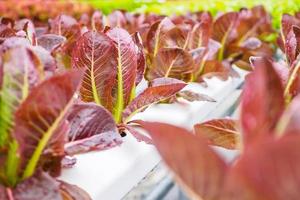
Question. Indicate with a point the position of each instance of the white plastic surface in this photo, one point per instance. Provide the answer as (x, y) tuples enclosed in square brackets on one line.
[(111, 174)]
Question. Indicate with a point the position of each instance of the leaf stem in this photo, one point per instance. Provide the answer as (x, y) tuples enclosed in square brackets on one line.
[(120, 98)]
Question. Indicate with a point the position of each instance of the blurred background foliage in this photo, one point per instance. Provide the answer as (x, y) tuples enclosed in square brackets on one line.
[(44, 9), (169, 7)]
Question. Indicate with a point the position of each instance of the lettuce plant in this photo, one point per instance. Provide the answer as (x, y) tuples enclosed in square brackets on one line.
[(289, 44), (33, 127), (226, 133), (268, 165), (188, 47), (114, 64)]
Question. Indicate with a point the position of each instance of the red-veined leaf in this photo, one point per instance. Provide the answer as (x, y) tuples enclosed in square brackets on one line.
[(92, 127), (155, 33), (223, 29), (254, 22), (215, 68), (172, 63), (153, 94), (97, 54), (200, 35), (127, 58), (220, 132), (141, 60), (40, 115), (174, 37)]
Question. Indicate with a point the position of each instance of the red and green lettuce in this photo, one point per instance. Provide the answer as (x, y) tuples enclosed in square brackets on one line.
[(114, 64), (33, 127)]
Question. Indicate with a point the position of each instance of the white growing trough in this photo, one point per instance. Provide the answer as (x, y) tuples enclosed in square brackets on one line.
[(111, 174)]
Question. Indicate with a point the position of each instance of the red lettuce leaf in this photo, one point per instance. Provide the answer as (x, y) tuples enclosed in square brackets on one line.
[(97, 54), (200, 34), (197, 167), (138, 136), (66, 26), (153, 94), (174, 37), (155, 35), (91, 128), (40, 115), (40, 186), (141, 60), (262, 101), (51, 160), (50, 41), (223, 30), (216, 68), (172, 63), (292, 87), (116, 19), (287, 23), (72, 192), (193, 96), (14, 42), (289, 121), (267, 171), (220, 132), (127, 58), (6, 32), (97, 21)]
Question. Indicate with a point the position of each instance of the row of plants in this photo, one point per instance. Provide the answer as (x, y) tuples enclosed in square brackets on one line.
[(69, 86), (43, 9), (266, 135)]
